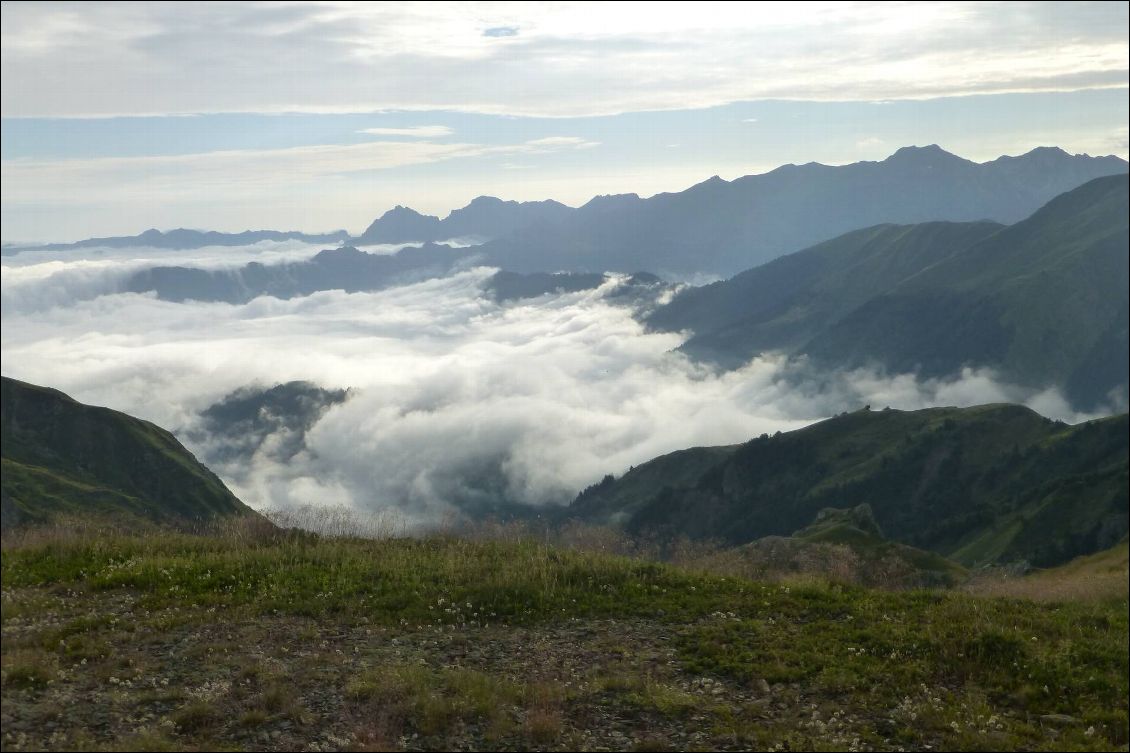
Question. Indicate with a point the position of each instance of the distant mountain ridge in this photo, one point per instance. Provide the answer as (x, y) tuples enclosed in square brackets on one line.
[(64, 459), (720, 227), (485, 217), (1044, 301), (344, 268), (182, 239), (716, 227)]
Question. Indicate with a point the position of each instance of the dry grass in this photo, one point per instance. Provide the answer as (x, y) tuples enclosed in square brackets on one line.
[(1095, 577)]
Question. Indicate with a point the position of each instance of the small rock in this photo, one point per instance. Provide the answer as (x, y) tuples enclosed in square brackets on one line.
[(1059, 720)]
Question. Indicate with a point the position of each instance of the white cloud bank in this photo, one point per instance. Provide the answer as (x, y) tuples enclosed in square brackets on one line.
[(454, 399), (75, 60)]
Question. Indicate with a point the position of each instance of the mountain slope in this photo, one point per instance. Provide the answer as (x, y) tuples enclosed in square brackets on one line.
[(62, 458), (1043, 301), (846, 545), (1033, 300), (720, 227), (994, 483), (791, 299)]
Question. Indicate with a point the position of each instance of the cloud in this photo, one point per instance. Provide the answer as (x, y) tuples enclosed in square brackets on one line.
[(501, 31), (455, 401), (418, 132), (569, 60), (240, 174), (550, 143)]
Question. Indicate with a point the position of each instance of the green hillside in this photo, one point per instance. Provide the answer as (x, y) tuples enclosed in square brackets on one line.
[(995, 483), (790, 300), (1034, 300), (1045, 301), (64, 459)]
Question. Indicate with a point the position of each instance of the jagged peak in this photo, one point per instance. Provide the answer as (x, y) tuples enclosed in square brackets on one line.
[(400, 209), (609, 199)]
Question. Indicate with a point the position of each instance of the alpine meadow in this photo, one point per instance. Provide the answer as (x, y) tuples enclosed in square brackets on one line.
[(565, 376)]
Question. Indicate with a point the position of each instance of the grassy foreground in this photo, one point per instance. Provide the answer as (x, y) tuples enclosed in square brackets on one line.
[(258, 639)]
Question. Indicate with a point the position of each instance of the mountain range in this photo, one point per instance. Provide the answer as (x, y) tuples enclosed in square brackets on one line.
[(721, 227), (717, 227), (1045, 301)]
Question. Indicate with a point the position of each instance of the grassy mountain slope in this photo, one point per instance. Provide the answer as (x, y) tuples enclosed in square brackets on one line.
[(65, 459), (1103, 575), (1034, 300), (790, 300), (995, 483), (1044, 301), (842, 545)]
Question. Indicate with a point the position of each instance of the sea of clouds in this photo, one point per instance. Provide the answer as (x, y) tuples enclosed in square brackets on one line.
[(453, 398)]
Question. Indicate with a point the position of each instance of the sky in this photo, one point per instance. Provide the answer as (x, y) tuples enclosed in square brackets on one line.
[(320, 116)]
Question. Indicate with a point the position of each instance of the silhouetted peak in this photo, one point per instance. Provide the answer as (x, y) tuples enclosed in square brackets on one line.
[(929, 154), (402, 211), (483, 201), (713, 181), (610, 201)]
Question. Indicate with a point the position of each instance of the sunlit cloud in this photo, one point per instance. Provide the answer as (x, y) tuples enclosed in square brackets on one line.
[(569, 59), (419, 132), (453, 396)]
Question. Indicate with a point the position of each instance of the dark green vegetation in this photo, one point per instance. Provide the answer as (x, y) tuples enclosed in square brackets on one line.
[(63, 459), (237, 426), (996, 483), (1044, 302), (256, 638)]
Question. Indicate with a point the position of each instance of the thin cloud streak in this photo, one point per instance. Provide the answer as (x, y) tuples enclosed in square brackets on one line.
[(237, 172)]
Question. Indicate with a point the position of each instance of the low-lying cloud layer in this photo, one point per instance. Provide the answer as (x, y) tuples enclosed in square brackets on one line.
[(456, 404)]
